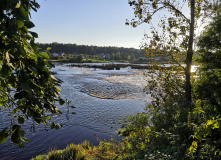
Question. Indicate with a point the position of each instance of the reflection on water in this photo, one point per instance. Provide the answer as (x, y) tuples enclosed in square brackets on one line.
[(102, 99)]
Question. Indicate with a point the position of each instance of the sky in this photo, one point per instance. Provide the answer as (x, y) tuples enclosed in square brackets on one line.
[(87, 22)]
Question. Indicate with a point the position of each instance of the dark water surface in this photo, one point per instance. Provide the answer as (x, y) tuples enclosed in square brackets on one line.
[(102, 99)]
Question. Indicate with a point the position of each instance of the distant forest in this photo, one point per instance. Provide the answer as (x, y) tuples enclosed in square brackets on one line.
[(89, 50), (84, 53)]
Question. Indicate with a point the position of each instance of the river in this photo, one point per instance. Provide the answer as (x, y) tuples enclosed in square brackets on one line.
[(102, 99)]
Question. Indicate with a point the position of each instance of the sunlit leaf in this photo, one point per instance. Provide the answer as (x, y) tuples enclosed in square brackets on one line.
[(209, 123), (44, 55), (46, 117), (20, 23), (25, 139), (53, 77), (18, 4)]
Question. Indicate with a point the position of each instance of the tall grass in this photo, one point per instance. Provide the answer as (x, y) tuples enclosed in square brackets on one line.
[(84, 151)]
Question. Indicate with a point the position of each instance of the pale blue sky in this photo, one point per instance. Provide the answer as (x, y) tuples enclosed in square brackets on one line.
[(91, 22), (87, 22)]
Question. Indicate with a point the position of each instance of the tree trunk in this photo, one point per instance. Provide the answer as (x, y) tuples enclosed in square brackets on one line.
[(190, 53)]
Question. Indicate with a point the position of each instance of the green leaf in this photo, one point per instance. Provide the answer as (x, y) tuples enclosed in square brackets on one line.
[(21, 120), (15, 136), (44, 55), (23, 13), (33, 69), (53, 77), (6, 71), (209, 123), (25, 139), (56, 127), (21, 145), (61, 101), (3, 135), (46, 117), (72, 107), (35, 35), (47, 64), (7, 57), (18, 4), (51, 64), (15, 110), (52, 125), (29, 25), (21, 132), (32, 54), (48, 48), (20, 24), (44, 122)]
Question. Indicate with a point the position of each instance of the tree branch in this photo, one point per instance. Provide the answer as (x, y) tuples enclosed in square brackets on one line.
[(158, 10), (179, 12), (165, 6)]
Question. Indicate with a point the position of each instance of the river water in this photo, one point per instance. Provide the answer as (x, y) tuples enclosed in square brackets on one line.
[(102, 99)]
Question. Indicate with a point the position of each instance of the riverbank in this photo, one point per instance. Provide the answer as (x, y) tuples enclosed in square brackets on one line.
[(106, 150), (118, 66), (95, 117)]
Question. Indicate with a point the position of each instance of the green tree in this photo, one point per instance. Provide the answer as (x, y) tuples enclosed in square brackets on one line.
[(28, 89), (208, 57), (177, 30), (206, 115), (117, 56), (112, 56), (79, 58), (174, 122)]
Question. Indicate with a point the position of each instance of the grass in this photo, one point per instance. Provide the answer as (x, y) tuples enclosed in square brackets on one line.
[(84, 151)]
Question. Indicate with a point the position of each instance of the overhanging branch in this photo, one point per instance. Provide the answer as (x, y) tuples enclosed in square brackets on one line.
[(168, 5), (179, 12)]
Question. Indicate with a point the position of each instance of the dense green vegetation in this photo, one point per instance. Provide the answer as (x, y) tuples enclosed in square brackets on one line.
[(28, 89), (115, 52), (74, 53), (81, 53), (172, 127), (182, 121)]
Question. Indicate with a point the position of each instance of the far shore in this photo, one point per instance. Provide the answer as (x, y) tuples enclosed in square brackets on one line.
[(118, 66)]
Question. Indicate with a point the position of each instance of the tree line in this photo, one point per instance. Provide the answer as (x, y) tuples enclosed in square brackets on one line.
[(78, 53), (89, 50), (183, 119)]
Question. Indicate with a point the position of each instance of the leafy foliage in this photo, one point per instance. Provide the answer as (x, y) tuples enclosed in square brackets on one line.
[(89, 50), (176, 128), (207, 131), (28, 89), (168, 129), (176, 36)]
